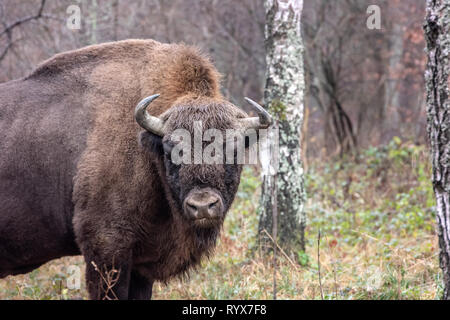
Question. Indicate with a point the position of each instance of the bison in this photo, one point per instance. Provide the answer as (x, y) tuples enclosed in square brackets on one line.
[(85, 164)]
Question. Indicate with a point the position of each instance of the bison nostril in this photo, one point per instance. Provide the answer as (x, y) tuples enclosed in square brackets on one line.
[(191, 206), (212, 205), (203, 206)]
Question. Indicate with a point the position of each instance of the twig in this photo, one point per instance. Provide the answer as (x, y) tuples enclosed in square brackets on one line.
[(8, 29), (110, 278), (274, 234), (5, 51), (318, 263), (23, 20), (369, 236), (281, 250)]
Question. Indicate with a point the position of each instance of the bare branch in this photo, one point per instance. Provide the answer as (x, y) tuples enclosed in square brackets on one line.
[(8, 29), (23, 20)]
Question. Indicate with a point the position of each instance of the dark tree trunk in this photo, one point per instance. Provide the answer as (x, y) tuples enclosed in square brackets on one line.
[(437, 32)]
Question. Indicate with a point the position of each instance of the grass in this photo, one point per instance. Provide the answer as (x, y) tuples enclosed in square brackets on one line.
[(377, 223)]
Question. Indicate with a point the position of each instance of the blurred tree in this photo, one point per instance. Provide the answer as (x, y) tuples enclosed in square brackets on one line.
[(284, 98), (364, 84), (437, 75), (329, 30)]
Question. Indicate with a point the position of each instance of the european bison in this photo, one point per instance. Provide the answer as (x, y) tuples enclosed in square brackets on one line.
[(79, 175)]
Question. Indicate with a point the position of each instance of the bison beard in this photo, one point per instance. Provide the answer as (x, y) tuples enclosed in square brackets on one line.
[(79, 175)]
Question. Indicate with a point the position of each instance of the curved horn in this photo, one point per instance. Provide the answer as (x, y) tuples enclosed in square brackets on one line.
[(146, 121), (263, 120)]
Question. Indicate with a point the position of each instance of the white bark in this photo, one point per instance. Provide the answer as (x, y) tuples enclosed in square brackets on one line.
[(284, 97)]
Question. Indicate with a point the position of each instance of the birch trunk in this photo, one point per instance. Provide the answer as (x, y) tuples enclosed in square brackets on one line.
[(284, 96), (437, 32)]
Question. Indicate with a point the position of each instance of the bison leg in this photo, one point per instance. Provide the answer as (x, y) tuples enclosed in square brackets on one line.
[(110, 280), (108, 256), (140, 287)]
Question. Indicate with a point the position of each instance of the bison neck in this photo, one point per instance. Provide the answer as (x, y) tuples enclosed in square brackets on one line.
[(178, 248), (171, 245)]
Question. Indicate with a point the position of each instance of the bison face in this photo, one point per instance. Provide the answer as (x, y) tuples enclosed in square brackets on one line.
[(203, 193), (202, 190)]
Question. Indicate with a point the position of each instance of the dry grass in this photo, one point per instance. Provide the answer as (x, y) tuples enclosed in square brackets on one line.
[(348, 272)]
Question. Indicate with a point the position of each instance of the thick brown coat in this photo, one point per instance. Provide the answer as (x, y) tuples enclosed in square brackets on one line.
[(73, 151)]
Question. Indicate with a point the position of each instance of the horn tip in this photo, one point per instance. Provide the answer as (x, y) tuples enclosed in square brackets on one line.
[(262, 113), (248, 99), (152, 97)]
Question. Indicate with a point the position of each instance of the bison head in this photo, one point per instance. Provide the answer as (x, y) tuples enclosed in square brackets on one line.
[(202, 191)]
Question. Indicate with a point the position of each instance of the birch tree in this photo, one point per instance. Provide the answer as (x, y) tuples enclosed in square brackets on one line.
[(284, 94), (437, 76)]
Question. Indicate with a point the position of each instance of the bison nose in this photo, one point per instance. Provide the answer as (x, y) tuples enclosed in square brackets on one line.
[(203, 205)]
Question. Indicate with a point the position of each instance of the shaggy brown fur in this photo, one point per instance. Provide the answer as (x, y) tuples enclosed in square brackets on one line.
[(80, 154)]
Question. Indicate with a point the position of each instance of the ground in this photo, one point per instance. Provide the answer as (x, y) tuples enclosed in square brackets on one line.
[(375, 213)]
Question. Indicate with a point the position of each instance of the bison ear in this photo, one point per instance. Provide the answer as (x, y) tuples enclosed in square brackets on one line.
[(151, 142)]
